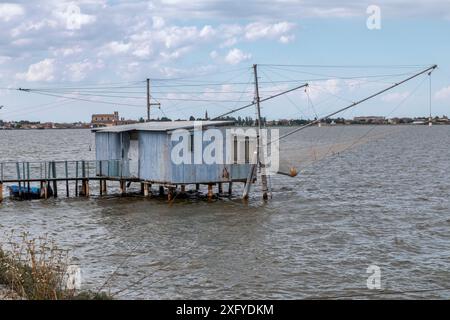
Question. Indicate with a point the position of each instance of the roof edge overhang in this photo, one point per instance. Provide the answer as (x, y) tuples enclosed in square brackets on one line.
[(162, 126)]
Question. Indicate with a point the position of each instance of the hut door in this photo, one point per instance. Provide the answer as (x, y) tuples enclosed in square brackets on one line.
[(133, 157)]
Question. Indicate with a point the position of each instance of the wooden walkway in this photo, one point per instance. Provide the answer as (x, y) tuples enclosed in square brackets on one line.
[(49, 173), (75, 177)]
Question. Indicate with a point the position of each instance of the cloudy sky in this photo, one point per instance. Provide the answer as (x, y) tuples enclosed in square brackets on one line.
[(93, 56)]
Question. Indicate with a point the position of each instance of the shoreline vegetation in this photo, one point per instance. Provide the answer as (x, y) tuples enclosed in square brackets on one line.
[(36, 269), (242, 122)]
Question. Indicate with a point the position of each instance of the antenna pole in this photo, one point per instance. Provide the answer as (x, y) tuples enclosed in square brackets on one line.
[(149, 103), (148, 100), (430, 119), (261, 164)]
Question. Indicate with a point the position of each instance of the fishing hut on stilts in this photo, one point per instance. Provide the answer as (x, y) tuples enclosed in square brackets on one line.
[(149, 154)]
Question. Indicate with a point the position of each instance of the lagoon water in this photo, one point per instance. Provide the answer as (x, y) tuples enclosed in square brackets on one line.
[(384, 202)]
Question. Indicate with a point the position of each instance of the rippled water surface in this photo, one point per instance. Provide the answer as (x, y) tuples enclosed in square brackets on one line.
[(384, 202)]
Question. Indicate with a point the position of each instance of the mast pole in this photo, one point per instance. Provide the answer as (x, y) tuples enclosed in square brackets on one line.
[(261, 164), (148, 100), (430, 119)]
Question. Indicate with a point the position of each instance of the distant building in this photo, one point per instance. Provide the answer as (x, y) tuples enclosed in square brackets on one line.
[(369, 119), (105, 120)]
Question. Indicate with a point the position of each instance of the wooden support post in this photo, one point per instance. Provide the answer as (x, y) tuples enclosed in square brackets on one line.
[(84, 188), (100, 183), (104, 187), (161, 191), (210, 192), (220, 188), (146, 189), (183, 189), (28, 178), (123, 187), (230, 189), (66, 169), (19, 179), (197, 187), (76, 180), (170, 193), (45, 190), (87, 194), (1, 192), (248, 184), (55, 183)]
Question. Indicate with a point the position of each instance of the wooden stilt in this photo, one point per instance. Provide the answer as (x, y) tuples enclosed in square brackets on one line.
[(170, 193), (76, 180), (161, 191), (230, 189), (197, 187), (210, 192), (104, 187), (87, 194), (1, 192), (55, 183), (66, 167), (146, 190), (123, 187), (248, 184), (45, 190), (18, 178), (220, 188), (28, 177)]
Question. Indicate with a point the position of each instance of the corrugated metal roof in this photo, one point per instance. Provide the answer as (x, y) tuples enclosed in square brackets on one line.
[(162, 126)]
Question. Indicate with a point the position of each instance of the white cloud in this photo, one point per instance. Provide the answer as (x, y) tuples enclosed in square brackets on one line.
[(176, 54), (207, 32), (229, 42), (114, 48), (4, 59), (71, 16), (260, 30), (10, 11), (69, 51), (158, 22), (275, 9), (31, 26), (318, 88), (41, 71), (395, 96), (236, 56), (443, 94), (142, 51), (213, 54), (287, 39), (79, 70)]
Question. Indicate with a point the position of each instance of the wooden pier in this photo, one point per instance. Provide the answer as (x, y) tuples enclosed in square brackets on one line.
[(73, 178)]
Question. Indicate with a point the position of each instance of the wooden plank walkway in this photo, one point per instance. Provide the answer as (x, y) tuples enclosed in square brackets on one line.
[(47, 174)]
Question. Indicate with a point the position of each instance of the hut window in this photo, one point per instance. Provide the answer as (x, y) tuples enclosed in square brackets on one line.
[(247, 149), (191, 143), (235, 149)]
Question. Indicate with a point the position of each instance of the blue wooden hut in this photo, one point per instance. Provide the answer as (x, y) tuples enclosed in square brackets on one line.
[(144, 152)]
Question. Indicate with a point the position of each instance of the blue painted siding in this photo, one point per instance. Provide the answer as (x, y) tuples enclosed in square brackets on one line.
[(155, 162), (154, 156)]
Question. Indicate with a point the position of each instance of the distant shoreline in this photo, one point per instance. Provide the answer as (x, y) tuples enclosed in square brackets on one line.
[(269, 126)]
